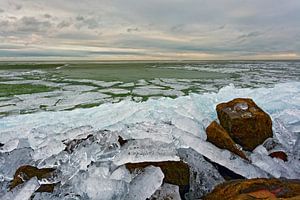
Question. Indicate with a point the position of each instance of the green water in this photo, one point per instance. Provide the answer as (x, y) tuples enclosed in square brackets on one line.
[(27, 87)]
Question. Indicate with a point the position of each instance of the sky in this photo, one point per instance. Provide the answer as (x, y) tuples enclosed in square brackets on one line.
[(149, 29)]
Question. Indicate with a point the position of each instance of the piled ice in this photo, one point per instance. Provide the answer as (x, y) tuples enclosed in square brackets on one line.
[(82, 145)]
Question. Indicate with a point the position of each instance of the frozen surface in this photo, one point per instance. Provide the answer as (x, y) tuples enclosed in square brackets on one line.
[(82, 144)]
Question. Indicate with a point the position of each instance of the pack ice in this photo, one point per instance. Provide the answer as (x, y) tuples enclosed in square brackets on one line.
[(83, 145)]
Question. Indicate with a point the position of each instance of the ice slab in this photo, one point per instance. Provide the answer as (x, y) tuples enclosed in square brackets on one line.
[(146, 150), (145, 184), (203, 175)]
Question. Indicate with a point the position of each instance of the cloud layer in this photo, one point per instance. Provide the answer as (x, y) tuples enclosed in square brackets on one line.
[(156, 29)]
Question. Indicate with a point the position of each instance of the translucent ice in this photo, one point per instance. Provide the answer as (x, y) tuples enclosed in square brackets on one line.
[(145, 184), (203, 175), (97, 186)]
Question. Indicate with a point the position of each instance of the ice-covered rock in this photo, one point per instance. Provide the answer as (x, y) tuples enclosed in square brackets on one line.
[(145, 184)]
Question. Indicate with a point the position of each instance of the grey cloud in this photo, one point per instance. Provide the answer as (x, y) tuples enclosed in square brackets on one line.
[(1, 10), (197, 26), (32, 24), (252, 34), (64, 24), (47, 16), (89, 22)]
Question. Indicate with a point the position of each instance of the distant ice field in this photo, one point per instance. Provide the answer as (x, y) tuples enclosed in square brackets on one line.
[(38, 87)]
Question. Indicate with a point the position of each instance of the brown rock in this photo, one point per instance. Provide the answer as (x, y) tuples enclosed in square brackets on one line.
[(256, 189), (279, 154), (246, 123), (217, 135), (176, 172), (25, 173)]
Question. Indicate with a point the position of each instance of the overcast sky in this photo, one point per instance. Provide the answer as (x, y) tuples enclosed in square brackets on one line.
[(149, 29)]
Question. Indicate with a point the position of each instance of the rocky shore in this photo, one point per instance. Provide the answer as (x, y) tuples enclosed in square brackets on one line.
[(106, 165)]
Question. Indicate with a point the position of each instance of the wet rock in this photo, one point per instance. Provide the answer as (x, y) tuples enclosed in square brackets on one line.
[(246, 123), (279, 154), (217, 135), (256, 189), (175, 172), (25, 173)]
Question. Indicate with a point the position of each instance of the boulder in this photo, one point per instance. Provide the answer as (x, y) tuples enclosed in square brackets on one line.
[(176, 172), (246, 123), (26, 172), (217, 135), (256, 189)]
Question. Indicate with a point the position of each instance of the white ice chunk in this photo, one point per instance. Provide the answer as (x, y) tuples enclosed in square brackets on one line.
[(9, 146), (97, 186), (145, 184)]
